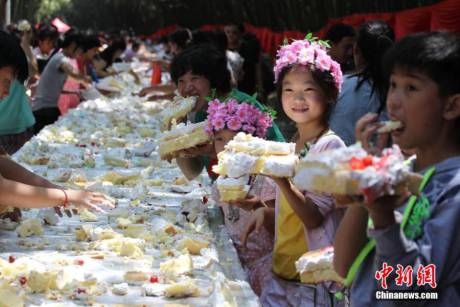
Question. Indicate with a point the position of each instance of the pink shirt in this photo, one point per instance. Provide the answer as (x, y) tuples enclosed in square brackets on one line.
[(257, 245)]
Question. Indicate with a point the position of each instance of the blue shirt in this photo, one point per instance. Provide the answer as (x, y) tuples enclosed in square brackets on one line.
[(351, 105), (439, 245)]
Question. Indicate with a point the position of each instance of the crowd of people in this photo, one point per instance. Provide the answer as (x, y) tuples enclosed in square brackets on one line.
[(333, 96)]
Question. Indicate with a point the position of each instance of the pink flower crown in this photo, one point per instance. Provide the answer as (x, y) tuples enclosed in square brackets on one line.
[(237, 117), (308, 52)]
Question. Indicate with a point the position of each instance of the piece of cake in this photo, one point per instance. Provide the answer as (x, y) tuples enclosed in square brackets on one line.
[(135, 277), (352, 171), (10, 296), (177, 110), (54, 279), (88, 233), (135, 231), (232, 189), (29, 228), (256, 156), (8, 224), (180, 289), (155, 289), (172, 269), (131, 249), (317, 266), (120, 289), (49, 216), (115, 161), (389, 126), (117, 178), (256, 146), (184, 288), (192, 245), (181, 137), (116, 84), (87, 216)]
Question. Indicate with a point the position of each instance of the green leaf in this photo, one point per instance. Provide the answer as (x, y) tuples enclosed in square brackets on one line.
[(285, 41), (272, 112)]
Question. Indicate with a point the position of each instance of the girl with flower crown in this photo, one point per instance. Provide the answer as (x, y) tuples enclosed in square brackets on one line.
[(308, 82), (225, 120), (201, 71)]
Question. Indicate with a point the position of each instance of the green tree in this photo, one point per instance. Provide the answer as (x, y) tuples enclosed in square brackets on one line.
[(52, 7)]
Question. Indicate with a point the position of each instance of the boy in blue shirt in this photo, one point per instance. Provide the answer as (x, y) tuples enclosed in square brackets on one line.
[(421, 233)]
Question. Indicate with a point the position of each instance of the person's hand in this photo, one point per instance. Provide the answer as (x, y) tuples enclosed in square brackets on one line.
[(365, 128), (207, 150), (381, 210), (85, 82), (255, 223), (250, 203), (26, 37), (90, 200), (137, 79), (347, 200), (145, 91), (68, 212)]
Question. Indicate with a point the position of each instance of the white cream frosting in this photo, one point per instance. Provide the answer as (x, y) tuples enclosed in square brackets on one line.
[(281, 166), (236, 164), (224, 181), (381, 176), (259, 147)]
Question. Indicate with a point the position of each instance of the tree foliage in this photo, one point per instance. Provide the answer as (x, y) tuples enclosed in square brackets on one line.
[(145, 16)]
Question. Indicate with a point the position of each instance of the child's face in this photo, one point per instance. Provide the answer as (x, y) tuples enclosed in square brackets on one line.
[(46, 45), (221, 138), (233, 35), (302, 99), (194, 85), (413, 98), (89, 54), (7, 75)]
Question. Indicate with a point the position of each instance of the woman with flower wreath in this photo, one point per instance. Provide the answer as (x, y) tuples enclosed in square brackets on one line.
[(225, 120), (201, 71)]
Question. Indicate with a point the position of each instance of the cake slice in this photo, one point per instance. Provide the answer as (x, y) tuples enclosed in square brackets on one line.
[(30, 227), (172, 269), (192, 245), (181, 137), (248, 155), (232, 189), (177, 110), (255, 146), (317, 266), (351, 171), (389, 126), (183, 288)]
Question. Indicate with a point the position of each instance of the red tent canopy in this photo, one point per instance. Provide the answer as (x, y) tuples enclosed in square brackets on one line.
[(444, 15)]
